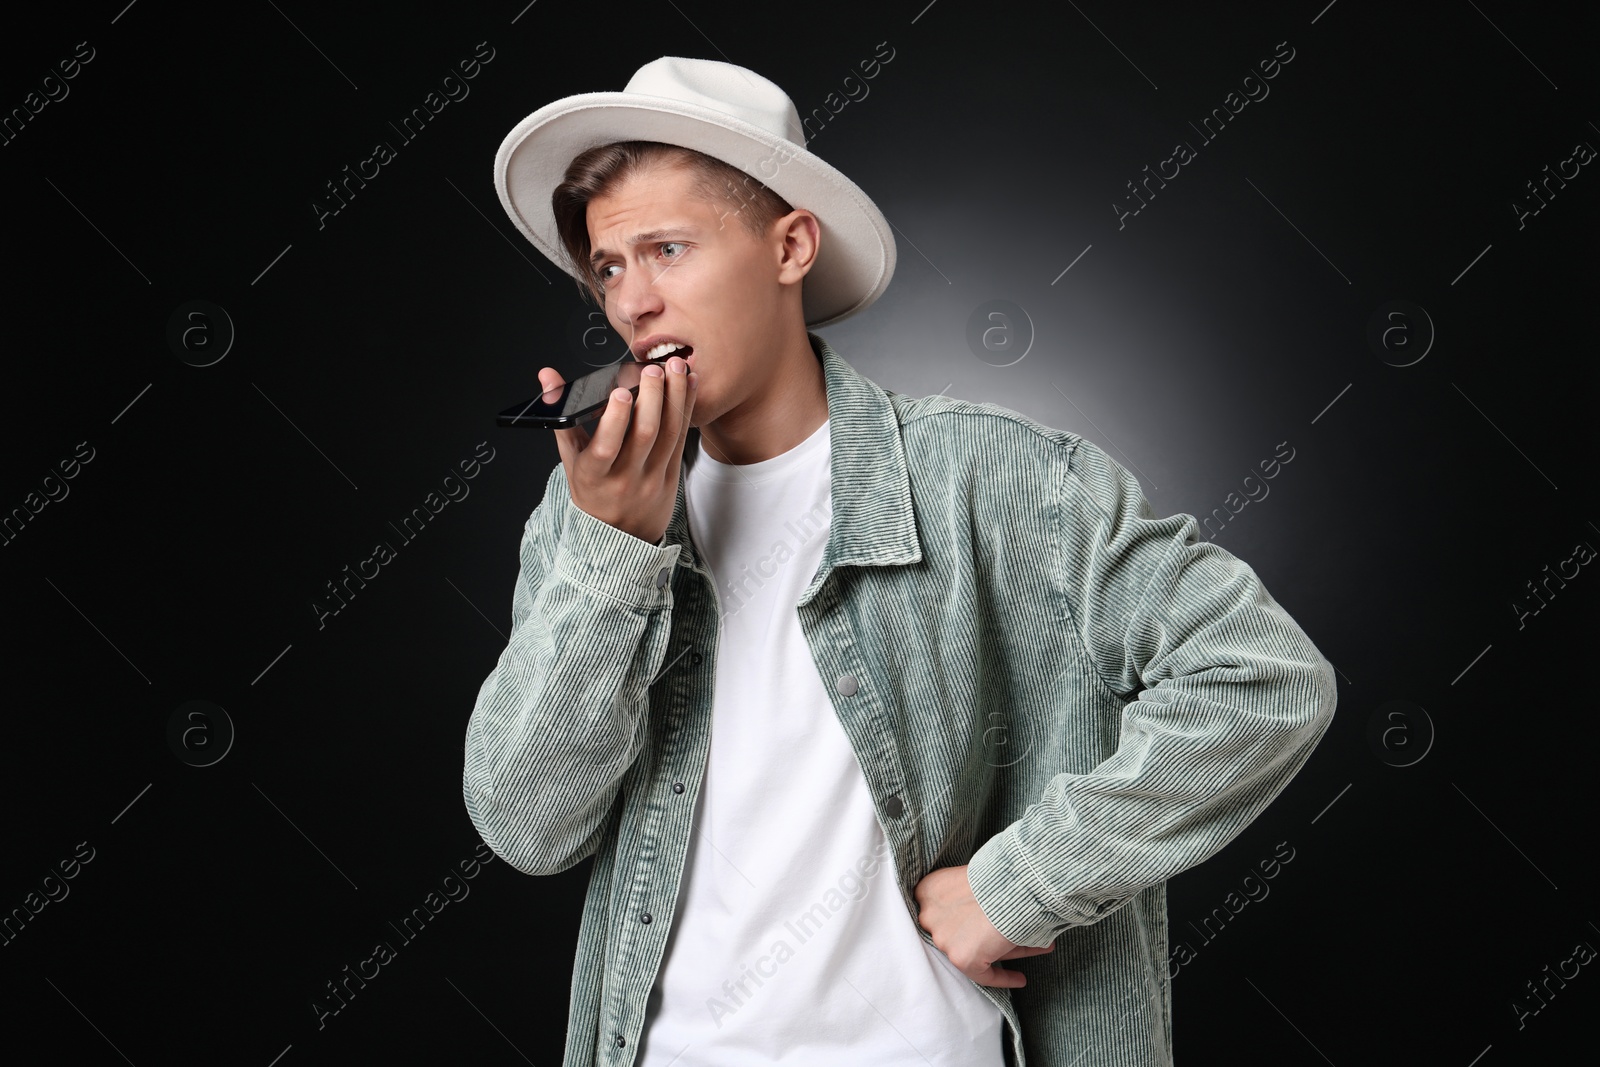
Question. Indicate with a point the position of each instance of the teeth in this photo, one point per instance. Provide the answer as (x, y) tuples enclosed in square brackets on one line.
[(662, 349)]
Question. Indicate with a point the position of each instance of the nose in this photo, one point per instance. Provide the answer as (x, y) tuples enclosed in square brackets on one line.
[(636, 296)]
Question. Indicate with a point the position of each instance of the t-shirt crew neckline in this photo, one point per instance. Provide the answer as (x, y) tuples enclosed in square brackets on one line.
[(715, 470)]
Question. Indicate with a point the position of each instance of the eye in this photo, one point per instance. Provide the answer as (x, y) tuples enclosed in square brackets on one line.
[(601, 276), (671, 244)]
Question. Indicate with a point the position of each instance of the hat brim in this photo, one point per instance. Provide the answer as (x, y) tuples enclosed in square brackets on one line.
[(856, 256)]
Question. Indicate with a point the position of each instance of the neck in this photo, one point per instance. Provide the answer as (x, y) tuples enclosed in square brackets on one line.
[(787, 408)]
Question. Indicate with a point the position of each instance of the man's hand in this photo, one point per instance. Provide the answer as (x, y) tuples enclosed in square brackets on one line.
[(626, 473), (947, 909)]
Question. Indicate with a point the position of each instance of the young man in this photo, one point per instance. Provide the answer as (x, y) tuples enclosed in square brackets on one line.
[(851, 696)]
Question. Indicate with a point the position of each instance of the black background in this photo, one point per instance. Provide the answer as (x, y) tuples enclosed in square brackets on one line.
[(1229, 315)]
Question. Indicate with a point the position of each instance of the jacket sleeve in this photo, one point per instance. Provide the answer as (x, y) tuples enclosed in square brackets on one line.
[(561, 718), (1232, 698)]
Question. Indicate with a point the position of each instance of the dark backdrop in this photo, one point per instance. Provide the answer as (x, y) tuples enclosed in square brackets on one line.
[(1351, 271)]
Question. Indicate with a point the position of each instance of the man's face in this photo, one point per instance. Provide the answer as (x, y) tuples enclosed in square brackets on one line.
[(672, 266)]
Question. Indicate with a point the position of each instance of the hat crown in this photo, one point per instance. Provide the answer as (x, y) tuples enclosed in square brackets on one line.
[(728, 88)]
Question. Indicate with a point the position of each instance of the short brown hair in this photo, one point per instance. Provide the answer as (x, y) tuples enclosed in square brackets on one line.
[(596, 171)]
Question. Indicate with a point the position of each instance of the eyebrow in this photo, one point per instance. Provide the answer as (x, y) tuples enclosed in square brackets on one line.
[(643, 238)]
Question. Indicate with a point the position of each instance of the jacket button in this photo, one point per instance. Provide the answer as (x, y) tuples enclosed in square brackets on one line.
[(894, 806), (621, 1041), (695, 658), (661, 578), (677, 787), (846, 685), (645, 918)]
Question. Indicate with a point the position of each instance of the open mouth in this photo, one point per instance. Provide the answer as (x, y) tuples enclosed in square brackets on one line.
[(665, 350)]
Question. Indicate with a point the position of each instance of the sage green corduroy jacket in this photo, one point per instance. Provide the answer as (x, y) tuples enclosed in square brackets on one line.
[(1039, 678)]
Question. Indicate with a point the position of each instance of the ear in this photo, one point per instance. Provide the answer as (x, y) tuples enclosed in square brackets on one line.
[(798, 236)]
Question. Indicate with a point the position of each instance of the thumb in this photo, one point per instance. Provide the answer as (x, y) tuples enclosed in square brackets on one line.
[(572, 440)]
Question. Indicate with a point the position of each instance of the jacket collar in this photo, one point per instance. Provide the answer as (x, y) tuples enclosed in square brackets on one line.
[(873, 522)]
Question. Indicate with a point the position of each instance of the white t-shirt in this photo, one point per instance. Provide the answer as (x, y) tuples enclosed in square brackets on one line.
[(790, 940)]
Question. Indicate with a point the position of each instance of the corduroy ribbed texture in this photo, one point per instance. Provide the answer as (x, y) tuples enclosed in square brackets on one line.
[(1039, 678)]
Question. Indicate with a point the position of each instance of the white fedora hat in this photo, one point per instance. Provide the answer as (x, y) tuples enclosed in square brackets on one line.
[(727, 112)]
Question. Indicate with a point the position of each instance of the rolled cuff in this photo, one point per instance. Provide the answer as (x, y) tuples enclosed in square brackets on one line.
[(1015, 899), (614, 563)]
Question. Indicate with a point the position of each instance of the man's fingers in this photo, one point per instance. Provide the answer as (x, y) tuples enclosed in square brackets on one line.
[(677, 402), (1002, 978), (608, 434), (646, 427), (690, 390), (1027, 950)]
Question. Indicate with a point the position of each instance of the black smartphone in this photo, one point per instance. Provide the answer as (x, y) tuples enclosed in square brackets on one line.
[(580, 402)]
